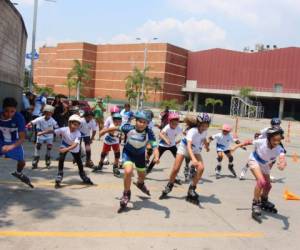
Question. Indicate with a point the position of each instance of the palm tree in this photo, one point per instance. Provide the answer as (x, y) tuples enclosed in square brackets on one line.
[(213, 102), (134, 85), (71, 84), (156, 86), (80, 73), (189, 104)]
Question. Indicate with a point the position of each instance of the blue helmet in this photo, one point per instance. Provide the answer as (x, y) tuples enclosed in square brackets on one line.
[(203, 118), (117, 116), (141, 115), (275, 122)]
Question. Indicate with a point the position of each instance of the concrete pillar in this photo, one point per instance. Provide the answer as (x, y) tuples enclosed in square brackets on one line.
[(195, 102), (190, 96), (281, 108)]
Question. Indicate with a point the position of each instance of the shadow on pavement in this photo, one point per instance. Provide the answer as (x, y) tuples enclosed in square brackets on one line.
[(146, 202), (283, 218), (41, 203)]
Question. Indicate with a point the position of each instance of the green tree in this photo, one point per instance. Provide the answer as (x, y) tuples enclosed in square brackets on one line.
[(189, 104), (245, 92), (133, 85), (156, 86), (71, 84), (108, 99), (172, 104), (213, 102), (80, 74), (26, 79)]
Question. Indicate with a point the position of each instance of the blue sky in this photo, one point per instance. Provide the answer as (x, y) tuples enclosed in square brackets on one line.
[(192, 24)]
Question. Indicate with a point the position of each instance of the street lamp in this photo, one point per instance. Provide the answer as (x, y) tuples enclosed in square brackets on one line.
[(141, 98), (35, 11)]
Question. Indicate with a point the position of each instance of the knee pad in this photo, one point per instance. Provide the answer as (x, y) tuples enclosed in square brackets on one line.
[(49, 146), (230, 158), (219, 158), (38, 146), (117, 155), (261, 183)]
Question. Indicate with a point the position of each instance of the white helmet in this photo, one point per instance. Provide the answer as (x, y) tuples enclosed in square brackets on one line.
[(75, 118), (48, 108)]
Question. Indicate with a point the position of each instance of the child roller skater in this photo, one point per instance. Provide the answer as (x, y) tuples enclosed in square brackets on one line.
[(275, 124), (138, 137), (223, 141), (70, 143), (168, 137), (88, 125), (111, 140), (189, 172), (260, 163), (107, 123), (45, 122), (12, 136), (191, 146)]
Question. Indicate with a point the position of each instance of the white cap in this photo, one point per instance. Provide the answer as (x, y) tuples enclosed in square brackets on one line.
[(48, 108), (75, 118)]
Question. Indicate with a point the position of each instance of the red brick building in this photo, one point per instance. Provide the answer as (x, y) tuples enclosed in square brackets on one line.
[(110, 65)]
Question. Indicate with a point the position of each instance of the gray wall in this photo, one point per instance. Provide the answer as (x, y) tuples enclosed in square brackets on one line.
[(13, 37)]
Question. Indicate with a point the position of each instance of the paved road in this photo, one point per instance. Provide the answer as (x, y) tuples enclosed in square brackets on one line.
[(81, 217)]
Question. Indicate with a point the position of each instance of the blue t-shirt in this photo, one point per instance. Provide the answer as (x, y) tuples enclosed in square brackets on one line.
[(137, 141), (9, 129)]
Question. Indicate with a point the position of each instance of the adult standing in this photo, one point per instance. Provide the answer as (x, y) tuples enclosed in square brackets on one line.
[(39, 104), (26, 106), (98, 110), (58, 111)]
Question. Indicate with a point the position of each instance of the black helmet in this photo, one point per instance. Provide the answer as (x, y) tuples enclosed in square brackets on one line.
[(88, 113), (275, 122), (274, 131)]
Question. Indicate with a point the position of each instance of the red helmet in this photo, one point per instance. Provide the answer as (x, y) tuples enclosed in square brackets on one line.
[(114, 109), (173, 116)]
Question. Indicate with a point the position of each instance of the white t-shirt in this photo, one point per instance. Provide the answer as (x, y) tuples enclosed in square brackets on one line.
[(171, 134), (69, 138), (196, 138), (87, 127), (108, 122), (223, 141), (39, 102), (42, 124), (263, 154), (112, 138)]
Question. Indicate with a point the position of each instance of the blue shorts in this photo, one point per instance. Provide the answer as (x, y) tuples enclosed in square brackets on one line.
[(15, 154), (138, 159)]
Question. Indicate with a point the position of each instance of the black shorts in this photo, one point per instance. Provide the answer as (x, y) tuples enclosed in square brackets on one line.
[(86, 139)]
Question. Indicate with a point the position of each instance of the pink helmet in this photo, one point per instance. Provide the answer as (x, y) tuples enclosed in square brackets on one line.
[(173, 116), (226, 127), (114, 109)]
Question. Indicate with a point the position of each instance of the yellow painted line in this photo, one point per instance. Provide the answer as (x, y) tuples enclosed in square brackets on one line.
[(132, 234)]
